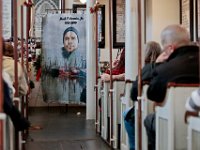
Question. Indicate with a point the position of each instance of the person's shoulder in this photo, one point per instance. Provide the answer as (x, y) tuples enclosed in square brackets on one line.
[(151, 66)]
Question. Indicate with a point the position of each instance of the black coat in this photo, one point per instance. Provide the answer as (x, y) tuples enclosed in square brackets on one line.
[(147, 74), (181, 67), (20, 123)]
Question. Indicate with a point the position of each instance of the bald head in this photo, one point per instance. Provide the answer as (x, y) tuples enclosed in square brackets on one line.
[(175, 35)]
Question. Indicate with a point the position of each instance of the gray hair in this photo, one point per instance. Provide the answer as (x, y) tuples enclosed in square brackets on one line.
[(175, 34)]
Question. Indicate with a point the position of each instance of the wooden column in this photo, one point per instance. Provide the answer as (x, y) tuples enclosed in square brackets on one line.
[(15, 65), (28, 15), (1, 55), (91, 60), (96, 86), (139, 75), (22, 36), (15, 46), (111, 80), (1, 83)]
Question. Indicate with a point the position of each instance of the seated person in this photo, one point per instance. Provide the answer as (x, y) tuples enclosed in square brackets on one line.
[(19, 122), (8, 66), (182, 66), (118, 68), (152, 51), (193, 104)]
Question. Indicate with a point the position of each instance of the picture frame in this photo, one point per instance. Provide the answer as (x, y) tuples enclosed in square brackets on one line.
[(7, 19), (53, 7), (118, 23), (101, 24), (186, 16), (197, 18)]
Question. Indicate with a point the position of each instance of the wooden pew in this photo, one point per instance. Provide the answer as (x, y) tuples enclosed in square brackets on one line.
[(99, 109), (19, 139), (147, 108), (125, 104), (118, 87), (171, 131), (194, 133), (3, 128), (104, 111)]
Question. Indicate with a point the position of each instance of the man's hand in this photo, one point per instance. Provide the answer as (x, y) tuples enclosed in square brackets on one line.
[(105, 77), (162, 57)]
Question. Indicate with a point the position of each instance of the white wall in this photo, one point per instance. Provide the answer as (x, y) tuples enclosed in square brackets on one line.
[(104, 53), (160, 13), (68, 4)]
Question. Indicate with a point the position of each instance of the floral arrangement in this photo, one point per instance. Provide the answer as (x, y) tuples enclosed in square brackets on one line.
[(29, 3), (95, 8)]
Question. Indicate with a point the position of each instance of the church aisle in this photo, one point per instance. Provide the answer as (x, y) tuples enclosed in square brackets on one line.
[(63, 130)]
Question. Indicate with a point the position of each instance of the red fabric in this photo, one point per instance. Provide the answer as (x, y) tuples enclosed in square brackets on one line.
[(38, 74), (116, 71)]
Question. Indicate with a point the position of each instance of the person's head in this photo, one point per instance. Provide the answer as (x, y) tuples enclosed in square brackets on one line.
[(173, 37), (70, 39), (8, 49), (152, 51)]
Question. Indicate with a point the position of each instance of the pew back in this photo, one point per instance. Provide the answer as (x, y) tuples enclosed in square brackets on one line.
[(118, 87), (147, 108), (194, 133), (125, 104), (171, 131)]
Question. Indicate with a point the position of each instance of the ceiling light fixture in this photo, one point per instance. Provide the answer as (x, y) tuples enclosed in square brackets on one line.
[(83, 1)]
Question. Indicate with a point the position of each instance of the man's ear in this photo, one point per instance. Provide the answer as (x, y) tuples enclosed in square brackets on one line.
[(170, 49), (173, 47)]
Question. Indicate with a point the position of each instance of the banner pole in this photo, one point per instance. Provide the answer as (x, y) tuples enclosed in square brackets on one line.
[(1, 82), (111, 79), (139, 77)]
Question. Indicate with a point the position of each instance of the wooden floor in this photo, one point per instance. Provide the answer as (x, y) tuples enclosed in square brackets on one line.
[(63, 130)]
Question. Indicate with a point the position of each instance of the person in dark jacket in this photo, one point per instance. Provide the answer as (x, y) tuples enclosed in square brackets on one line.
[(20, 123), (152, 59), (182, 66), (152, 51)]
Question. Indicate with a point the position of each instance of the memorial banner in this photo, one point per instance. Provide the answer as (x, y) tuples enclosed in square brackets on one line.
[(64, 58)]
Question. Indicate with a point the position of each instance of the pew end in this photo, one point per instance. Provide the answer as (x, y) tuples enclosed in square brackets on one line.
[(171, 131)]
